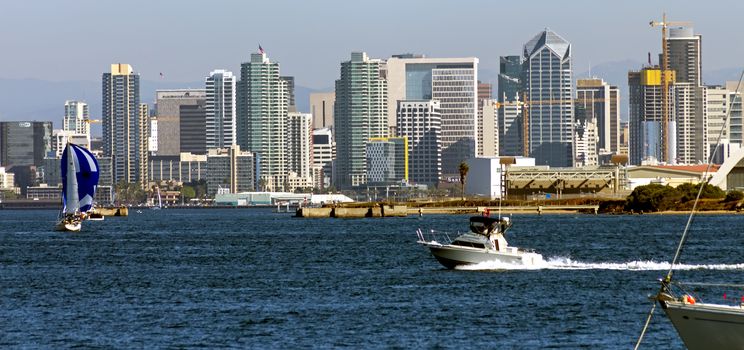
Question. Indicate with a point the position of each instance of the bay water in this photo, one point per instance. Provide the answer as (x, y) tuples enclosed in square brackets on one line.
[(253, 278)]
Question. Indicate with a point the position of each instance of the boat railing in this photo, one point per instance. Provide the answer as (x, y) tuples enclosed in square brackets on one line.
[(430, 236)]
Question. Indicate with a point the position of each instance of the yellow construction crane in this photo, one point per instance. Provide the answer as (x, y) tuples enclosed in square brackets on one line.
[(664, 24), (525, 104), (91, 121)]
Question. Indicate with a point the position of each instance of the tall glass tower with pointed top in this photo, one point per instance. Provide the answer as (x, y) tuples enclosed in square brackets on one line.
[(548, 83)]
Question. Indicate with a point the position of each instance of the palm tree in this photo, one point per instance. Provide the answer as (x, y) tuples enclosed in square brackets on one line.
[(463, 168)]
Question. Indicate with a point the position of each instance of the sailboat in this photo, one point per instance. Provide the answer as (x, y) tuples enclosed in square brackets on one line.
[(79, 169), (700, 325), (160, 201)]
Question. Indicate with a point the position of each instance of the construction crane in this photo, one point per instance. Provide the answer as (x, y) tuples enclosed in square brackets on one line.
[(664, 24), (90, 121), (525, 104)]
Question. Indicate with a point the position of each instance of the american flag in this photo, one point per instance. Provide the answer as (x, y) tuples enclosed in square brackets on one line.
[(260, 49), (161, 75)]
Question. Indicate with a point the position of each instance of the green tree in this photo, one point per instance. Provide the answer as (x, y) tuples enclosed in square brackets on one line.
[(689, 191), (653, 197), (187, 193), (464, 169)]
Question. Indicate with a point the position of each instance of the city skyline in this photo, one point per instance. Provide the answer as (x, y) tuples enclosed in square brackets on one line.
[(628, 36)]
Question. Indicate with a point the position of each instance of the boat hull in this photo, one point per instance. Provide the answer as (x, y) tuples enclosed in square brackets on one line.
[(707, 326), (451, 256), (68, 226)]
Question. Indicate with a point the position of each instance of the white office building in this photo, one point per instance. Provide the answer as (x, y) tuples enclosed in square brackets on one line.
[(451, 81)]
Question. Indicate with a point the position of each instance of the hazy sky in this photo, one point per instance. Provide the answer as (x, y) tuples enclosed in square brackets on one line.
[(185, 39)]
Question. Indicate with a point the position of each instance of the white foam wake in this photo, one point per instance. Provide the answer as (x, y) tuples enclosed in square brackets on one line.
[(563, 263)]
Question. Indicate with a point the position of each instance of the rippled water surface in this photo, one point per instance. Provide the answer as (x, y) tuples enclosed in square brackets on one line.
[(254, 278)]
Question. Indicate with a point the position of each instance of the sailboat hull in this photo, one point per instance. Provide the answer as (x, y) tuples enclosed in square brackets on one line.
[(68, 226), (707, 326)]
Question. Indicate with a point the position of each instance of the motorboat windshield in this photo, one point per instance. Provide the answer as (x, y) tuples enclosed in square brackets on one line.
[(484, 225)]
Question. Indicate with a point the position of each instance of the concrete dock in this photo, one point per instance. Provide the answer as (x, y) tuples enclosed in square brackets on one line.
[(379, 211)]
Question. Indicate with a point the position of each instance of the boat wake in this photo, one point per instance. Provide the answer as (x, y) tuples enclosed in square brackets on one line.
[(562, 263)]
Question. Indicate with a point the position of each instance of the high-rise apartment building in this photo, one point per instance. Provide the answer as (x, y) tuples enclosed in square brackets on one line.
[(688, 108), (451, 81), (221, 109), (548, 85), (168, 112), (685, 55), (360, 114), (601, 102), (262, 118), (143, 149), (510, 113), (123, 140), (420, 121), (321, 107), (300, 147)]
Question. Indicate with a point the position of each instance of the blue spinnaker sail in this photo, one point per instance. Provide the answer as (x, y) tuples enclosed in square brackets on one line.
[(86, 173)]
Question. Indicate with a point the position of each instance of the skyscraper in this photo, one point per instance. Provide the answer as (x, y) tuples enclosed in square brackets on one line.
[(452, 82), (684, 55), (300, 148), (420, 121), (193, 127), (360, 114), (490, 142), (122, 137), (221, 111), (645, 112), (168, 105), (688, 108), (484, 96), (548, 84), (24, 143), (601, 102), (510, 113), (262, 118), (143, 148)]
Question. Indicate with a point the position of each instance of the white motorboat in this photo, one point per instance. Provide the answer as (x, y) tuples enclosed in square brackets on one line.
[(483, 244)]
